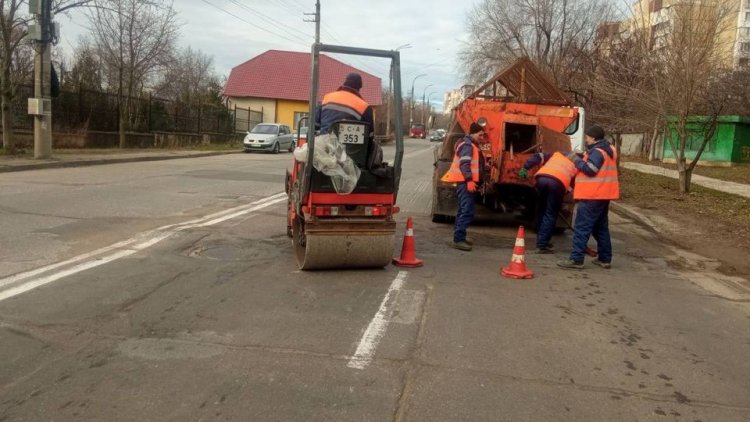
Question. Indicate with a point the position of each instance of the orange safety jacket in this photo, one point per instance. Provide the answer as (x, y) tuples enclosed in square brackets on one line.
[(345, 102), (454, 174), (560, 168), (605, 185)]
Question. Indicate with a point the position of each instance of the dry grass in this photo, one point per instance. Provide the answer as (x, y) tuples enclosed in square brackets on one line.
[(722, 219)]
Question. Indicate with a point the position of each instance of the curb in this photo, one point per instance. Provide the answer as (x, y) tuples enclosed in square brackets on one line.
[(96, 162), (637, 216)]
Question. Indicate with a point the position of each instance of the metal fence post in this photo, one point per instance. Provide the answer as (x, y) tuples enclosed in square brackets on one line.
[(199, 117)]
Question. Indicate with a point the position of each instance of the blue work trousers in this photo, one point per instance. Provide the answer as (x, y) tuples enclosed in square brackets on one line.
[(465, 212), (592, 218), (550, 193)]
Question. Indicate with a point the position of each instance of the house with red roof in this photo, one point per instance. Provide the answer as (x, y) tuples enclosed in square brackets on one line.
[(278, 83)]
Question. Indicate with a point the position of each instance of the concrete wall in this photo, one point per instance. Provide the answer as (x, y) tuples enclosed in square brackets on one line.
[(632, 144), (718, 150)]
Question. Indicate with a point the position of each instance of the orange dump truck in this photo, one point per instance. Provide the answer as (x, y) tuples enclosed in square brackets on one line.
[(522, 113)]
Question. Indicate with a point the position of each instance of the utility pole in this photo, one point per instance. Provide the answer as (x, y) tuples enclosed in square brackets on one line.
[(316, 19), (43, 34)]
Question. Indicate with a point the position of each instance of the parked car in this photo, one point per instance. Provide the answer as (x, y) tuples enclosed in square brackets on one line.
[(272, 137), (437, 135), (417, 131)]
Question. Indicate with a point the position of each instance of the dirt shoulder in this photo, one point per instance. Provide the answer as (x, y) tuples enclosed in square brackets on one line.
[(708, 222), (739, 173)]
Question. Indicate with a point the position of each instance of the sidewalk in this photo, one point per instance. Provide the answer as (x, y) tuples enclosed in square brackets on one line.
[(62, 160), (707, 182)]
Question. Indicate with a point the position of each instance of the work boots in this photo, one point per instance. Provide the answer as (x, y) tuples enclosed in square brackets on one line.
[(462, 245), (569, 264)]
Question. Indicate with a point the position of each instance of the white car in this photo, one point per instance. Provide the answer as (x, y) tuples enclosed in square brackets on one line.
[(272, 137)]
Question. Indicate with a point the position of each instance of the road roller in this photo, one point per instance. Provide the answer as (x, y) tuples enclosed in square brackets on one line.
[(332, 230)]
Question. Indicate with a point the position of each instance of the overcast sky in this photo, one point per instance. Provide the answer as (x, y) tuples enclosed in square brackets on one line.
[(435, 30)]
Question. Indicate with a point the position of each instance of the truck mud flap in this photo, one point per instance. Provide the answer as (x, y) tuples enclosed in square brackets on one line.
[(444, 200)]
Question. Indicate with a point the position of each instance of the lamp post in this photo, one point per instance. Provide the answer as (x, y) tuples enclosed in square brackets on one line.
[(411, 109), (390, 84), (423, 92), (429, 96)]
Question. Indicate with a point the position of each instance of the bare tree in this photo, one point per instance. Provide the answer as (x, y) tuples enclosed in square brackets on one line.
[(14, 54), (135, 38), (188, 78), (556, 34), (660, 74), (12, 32), (84, 72)]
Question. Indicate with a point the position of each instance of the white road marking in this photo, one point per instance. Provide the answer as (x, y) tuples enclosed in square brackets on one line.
[(125, 248), (370, 339)]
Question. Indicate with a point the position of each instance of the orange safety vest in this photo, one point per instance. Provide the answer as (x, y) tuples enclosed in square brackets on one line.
[(346, 102), (454, 174), (560, 168), (605, 185)]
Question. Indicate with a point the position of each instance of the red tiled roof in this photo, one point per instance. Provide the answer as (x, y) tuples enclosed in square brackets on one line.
[(286, 75)]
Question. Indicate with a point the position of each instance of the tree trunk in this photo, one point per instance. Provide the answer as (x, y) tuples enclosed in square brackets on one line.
[(686, 174), (7, 118), (652, 144), (6, 92), (123, 127)]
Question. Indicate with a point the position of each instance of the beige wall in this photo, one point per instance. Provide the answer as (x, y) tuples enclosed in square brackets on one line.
[(256, 104)]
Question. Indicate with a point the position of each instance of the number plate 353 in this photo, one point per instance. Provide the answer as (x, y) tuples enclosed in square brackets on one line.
[(351, 133)]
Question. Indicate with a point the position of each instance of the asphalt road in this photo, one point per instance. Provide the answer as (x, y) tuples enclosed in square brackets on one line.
[(168, 291)]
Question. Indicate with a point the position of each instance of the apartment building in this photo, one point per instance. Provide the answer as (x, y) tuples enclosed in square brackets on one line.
[(454, 98), (659, 17)]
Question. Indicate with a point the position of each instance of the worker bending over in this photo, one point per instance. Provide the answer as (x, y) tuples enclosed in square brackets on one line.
[(552, 181)]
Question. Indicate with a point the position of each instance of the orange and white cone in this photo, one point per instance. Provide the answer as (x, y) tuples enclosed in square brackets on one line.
[(517, 267), (408, 255)]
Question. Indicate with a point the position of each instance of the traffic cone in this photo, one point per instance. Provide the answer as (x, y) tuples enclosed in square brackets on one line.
[(517, 267), (408, 255)]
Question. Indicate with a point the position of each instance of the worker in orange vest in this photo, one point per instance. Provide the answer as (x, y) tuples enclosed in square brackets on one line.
[(552, 181), (466, 172), (345, 103), (596, 185)]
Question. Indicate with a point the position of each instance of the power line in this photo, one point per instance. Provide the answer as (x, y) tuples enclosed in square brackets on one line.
[(255, 25), (263, 16), (283, 3)]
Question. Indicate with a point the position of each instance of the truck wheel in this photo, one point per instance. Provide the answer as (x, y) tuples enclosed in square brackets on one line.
[(441, 219)]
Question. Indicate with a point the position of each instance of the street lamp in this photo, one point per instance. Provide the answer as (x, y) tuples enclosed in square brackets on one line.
[(423, 91), (411, 109), (429, 96)]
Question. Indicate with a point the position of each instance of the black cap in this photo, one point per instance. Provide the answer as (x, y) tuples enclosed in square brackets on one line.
[(595, 132), (475, 128), (354, 81)]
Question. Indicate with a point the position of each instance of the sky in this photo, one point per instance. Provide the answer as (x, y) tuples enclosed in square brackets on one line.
[(234, 31)]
